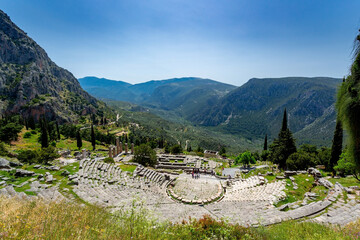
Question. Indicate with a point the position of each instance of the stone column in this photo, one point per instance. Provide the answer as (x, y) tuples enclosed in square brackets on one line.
[(110, 152), (117, 146), (126, 148), (132, 148), (121, 147)]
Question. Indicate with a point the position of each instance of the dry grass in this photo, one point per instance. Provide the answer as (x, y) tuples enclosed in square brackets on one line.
[(40, 220)]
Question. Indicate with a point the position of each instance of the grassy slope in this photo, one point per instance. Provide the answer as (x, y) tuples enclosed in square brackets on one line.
[(39, 220)]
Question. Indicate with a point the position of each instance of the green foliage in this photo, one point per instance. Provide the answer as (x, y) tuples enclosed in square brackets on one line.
[(3, 149), (282, 148), (78, 139), (176, 149), (145, 155), (348, 106), (346, 165), (222, 151), (27, 135), (42, 156), (93, 140), (245, 158), (9, 131), (336, 148), (301, 160), (109, 160), (28, 156)]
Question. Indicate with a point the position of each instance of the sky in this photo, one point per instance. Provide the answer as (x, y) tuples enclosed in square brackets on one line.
[(229, 41)]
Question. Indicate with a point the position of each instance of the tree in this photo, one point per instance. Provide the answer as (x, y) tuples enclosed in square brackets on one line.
[(176, 149), (346, 165), (93, 143), (348, 106), (245, 158), (283, 146), (9, 131), (44, 140), (57, 130), (284, 124), (222, 151), (31, 123), (336, 148), (265, 143), (78, 139), (300, 160), (145, 155), (45, 155)]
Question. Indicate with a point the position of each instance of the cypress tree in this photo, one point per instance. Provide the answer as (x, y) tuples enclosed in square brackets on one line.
[(348, 105), (283, 146), (31, 123), (57, 130), (336, 148), (44, 134), (265, 143), (92, 137), (284, 125), (78, 139)]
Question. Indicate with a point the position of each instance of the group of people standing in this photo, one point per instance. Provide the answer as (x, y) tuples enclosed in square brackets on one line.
[(195, 173)]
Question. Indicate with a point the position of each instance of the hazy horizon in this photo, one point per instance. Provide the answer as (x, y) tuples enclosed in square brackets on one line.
[(229, 41)]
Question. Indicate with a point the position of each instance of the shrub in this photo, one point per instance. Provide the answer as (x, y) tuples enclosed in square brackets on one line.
[(109, 160), (28, 156), (33, 131), (46, 155), (27, 135), (3, 149)]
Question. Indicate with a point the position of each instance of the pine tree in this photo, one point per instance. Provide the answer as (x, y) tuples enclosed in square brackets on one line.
[(44, 134), (93, 137), (336, 148), (283, 146), (78, 139), (265, 143)]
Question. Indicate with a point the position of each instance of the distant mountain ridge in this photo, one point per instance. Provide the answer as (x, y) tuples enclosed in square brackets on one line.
[(33, 85), (256, 108), (185, 95), (250, 111)]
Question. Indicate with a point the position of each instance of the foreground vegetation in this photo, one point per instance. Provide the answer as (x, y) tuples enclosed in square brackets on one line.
[(39, 220)]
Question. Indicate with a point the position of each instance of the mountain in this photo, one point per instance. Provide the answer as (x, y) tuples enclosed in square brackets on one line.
[(183, 95), (256, 108), (32, 84)]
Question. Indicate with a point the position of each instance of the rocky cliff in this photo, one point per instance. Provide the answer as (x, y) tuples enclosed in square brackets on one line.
[(32, 84)]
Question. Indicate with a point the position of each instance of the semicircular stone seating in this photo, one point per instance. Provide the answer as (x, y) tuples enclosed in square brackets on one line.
[(255, 188), (107, 185)]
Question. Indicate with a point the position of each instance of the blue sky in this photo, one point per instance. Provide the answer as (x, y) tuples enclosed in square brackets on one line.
[(226, 40)]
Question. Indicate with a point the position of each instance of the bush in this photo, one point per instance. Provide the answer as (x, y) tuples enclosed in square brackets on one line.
[(33, 132), (145, 155), (109, 160), (27, 135), (42, 156), (28, 156), (9, 132), (46, 155), (3, 149), (300, 161), (176, 149)]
